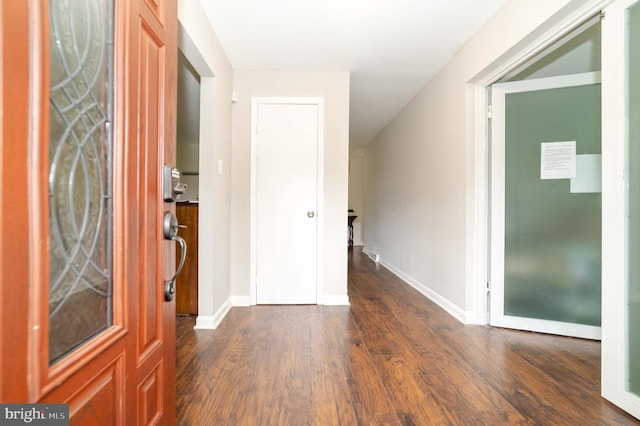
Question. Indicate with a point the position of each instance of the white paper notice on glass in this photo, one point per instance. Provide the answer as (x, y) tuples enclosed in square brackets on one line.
[(558, 160)]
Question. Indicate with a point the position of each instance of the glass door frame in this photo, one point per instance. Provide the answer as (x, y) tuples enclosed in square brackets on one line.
[(615, 261), (497, 238)]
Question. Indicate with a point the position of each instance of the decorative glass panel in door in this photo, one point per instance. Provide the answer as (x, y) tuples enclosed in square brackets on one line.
[(546, 269), (80, 153)]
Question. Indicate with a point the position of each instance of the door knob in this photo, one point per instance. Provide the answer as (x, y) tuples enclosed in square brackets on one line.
[(311, 213)]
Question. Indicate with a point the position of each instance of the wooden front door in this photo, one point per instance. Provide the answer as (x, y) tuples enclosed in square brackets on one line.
[(82, 258)]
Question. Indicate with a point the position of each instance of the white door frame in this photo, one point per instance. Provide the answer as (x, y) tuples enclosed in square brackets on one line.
[(614, 213), (497, 215), (255, 101), (206, 206), (478, 130)]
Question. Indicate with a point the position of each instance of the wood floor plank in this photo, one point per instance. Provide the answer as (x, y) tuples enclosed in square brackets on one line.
[(466, 404), (368, 394), (330, 396), (291, 390), (412, 406)]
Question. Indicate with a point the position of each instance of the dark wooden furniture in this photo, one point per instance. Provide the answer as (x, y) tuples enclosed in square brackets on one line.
[(187, 281), (350, 220)]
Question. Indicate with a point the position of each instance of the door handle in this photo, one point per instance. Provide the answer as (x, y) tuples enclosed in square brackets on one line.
[(311, 213), (170, 228)]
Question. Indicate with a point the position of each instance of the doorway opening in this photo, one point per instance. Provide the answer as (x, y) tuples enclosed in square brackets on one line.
[(187, 161), (545, 174)]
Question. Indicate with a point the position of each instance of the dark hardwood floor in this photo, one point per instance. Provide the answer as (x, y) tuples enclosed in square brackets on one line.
[(391, 358)]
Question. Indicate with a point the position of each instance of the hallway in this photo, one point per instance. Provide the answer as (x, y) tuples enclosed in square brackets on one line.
[(392, 357)]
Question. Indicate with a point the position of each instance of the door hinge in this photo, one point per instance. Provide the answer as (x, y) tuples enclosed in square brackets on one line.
[(488, 286), (489, 110)]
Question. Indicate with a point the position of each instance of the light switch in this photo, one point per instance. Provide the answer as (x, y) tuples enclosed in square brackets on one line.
[(220, 167)]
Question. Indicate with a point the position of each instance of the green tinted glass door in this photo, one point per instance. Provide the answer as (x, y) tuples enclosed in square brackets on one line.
[(549, 275)]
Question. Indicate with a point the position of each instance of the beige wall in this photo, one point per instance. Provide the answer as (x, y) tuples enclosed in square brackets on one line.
[(333, 86), (419, 168), (198, 42)]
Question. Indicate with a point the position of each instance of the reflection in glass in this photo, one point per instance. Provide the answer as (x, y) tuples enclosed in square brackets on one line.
[(552, 236), (633, 263), (80, 147)]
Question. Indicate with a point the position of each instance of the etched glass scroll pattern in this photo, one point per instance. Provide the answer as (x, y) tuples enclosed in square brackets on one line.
[(80, 157)]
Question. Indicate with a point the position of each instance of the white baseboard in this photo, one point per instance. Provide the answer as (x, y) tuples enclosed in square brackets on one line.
[(334, 300), (211, 322), (372, 255), (445, 304)]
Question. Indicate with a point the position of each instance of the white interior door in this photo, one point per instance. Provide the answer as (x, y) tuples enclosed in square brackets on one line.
[(286, 140), (621, 205), (546, 212)]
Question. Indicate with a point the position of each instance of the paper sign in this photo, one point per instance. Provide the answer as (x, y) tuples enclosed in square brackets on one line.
[(558, 160)]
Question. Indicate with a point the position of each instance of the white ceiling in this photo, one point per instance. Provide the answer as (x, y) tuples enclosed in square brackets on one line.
[(391, 47)]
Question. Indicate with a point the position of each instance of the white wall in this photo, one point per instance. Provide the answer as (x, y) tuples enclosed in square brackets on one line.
[(198, 42), (419, 168), (333, 86)]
